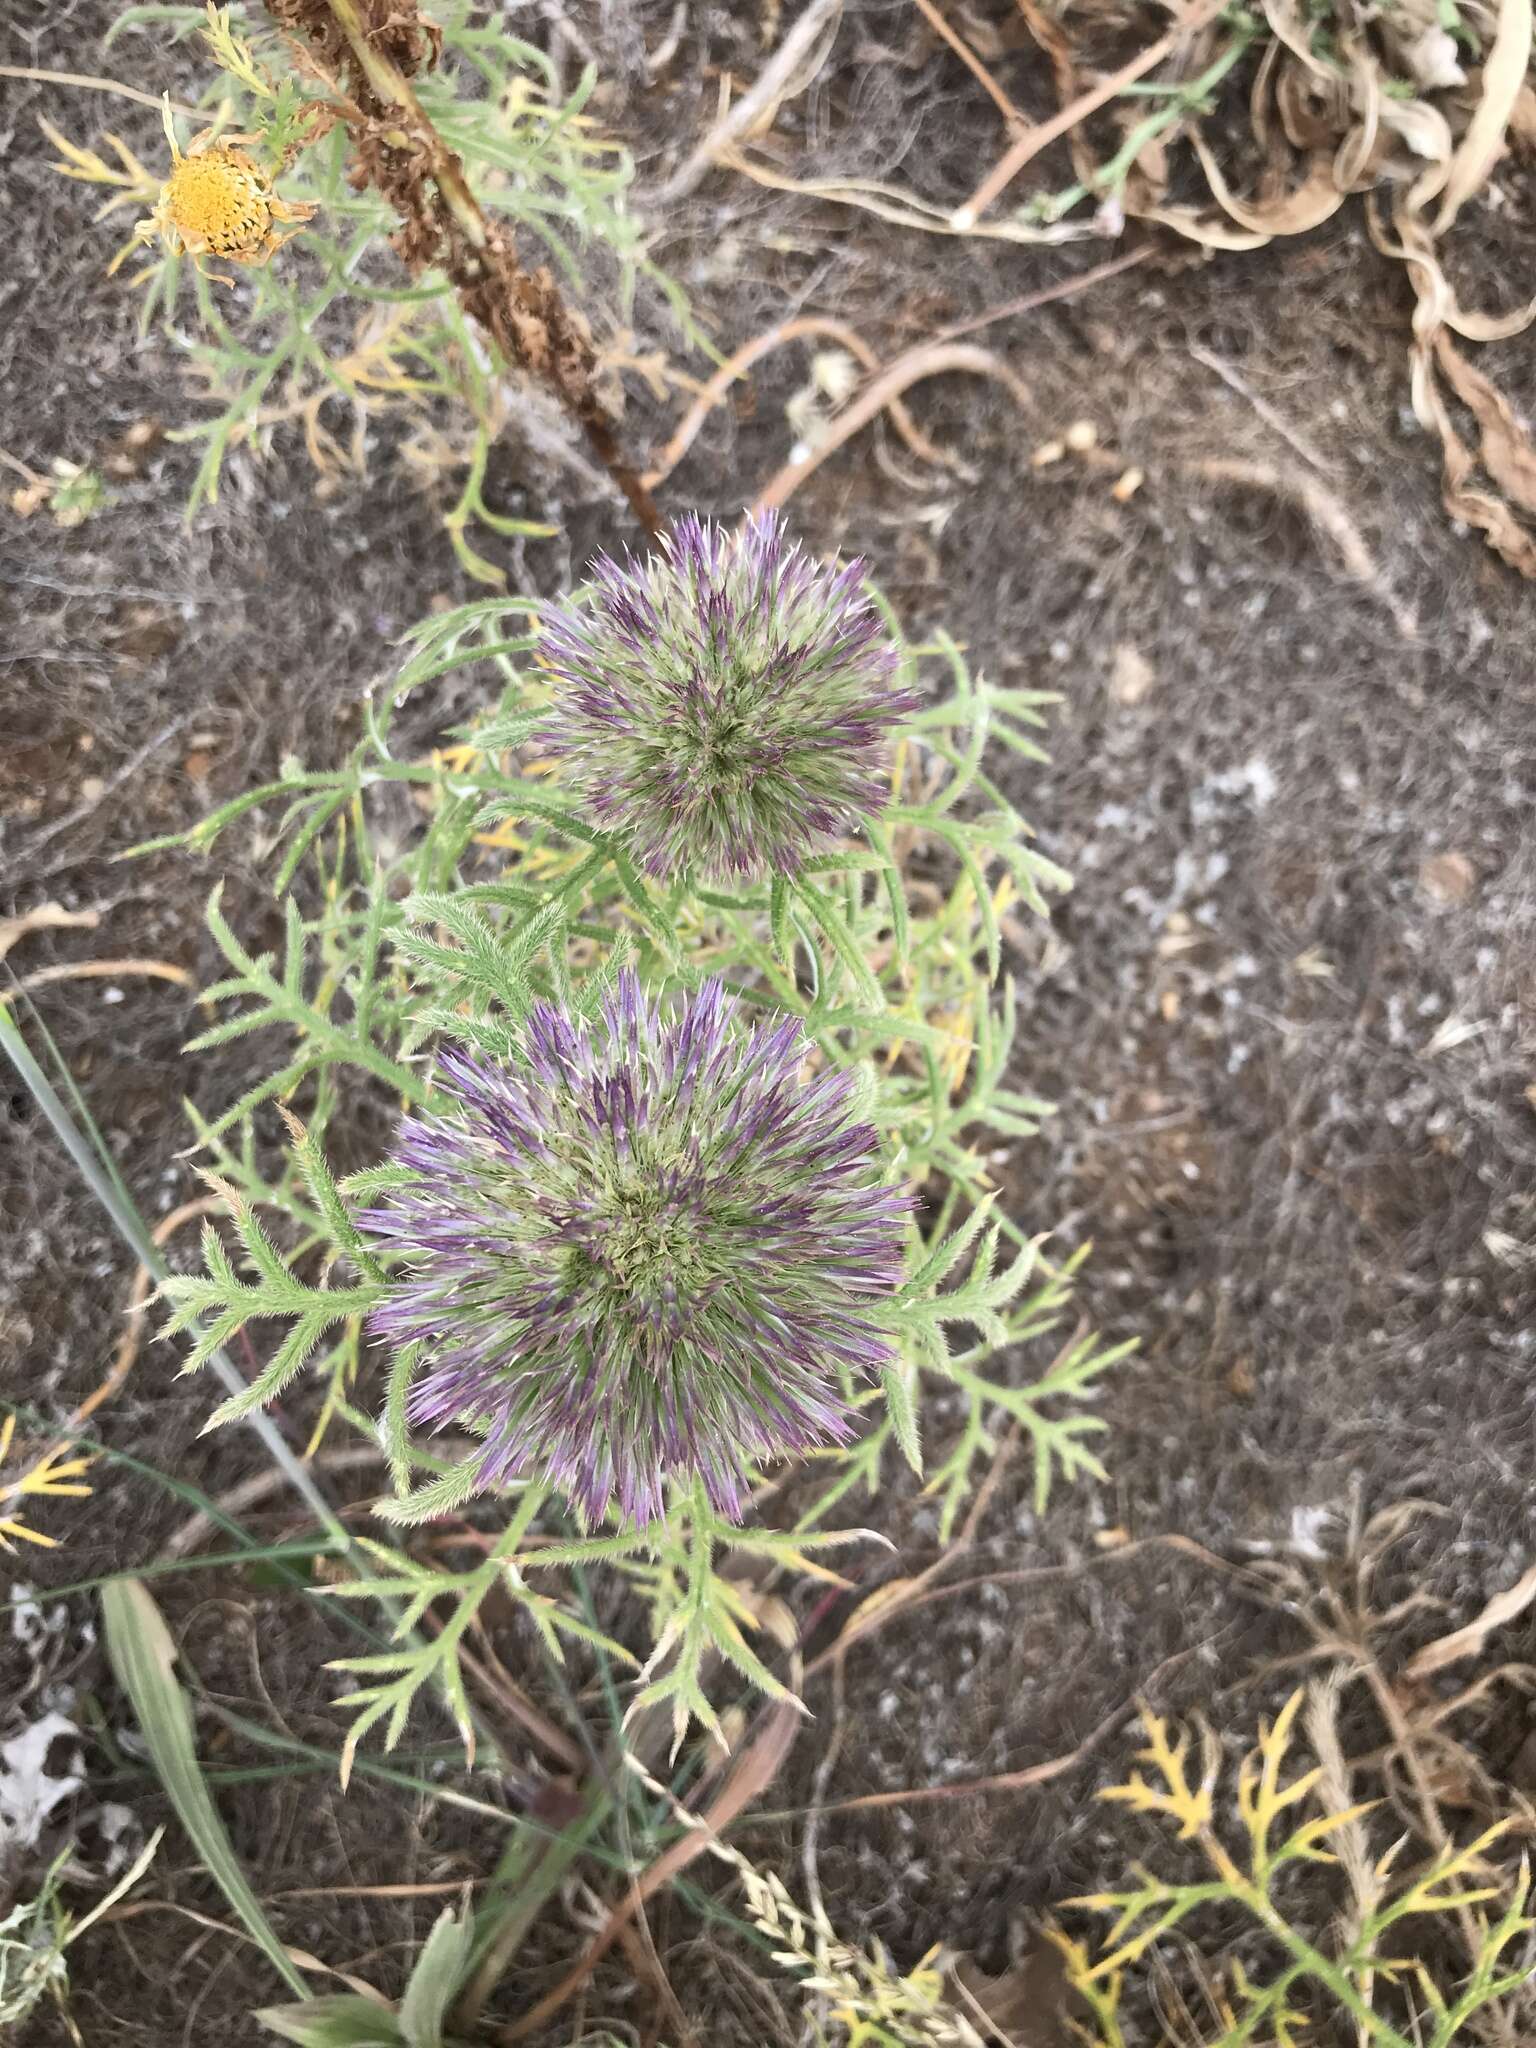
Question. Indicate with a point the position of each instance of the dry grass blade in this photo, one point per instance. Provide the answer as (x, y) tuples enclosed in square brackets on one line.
[(788, 71), (1322, 508), (1002, 1781), (78, 81), (100, 970), (1308, 452), (901, 207)]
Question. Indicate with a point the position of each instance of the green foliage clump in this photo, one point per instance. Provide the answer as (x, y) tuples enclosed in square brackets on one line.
[(428, 901)]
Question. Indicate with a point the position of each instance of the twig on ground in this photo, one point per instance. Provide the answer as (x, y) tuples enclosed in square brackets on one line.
[(501, 1686), (1323, 509), (114, 782), (904, 1597), (788, 71), (1021, 1780), (807, 326), (646, 1964), (1266, 412), (968, 57), (1003, 1781), (1047, 295), (942, 352), (901, 1595), (928, 360), (198, 1528), (45, 917), (756, 1767)]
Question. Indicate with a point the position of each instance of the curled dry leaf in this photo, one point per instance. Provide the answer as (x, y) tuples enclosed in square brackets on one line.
[(1315, 200), (1504, 75), (1469, 1641), (1347, 120)]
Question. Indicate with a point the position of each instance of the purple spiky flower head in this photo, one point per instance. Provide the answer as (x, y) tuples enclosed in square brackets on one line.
[(725, 703), (645, 1249)]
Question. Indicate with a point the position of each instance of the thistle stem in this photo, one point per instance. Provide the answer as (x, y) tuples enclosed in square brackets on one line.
[(493, 286)]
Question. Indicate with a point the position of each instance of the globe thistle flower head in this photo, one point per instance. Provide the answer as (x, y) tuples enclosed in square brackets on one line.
[(723, 704), (645, 1251)]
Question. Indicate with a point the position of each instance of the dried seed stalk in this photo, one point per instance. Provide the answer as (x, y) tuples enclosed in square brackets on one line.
[(378, 46)]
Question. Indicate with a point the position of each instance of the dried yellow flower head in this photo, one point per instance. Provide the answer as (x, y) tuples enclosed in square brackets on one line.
[(219, 201)]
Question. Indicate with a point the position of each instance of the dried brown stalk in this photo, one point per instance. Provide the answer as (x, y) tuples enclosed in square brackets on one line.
[(377, 47)]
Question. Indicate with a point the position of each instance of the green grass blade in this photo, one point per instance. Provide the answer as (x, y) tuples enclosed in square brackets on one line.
[(142, 1655), (342, 2021), (435, 1980), (107, 1187)]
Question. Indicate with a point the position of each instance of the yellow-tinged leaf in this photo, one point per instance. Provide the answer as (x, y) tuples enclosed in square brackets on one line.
[(54, 1470), (1426, 1897), (1440, 1902), (1189, 1805), (1260, 1799), (1302, 1842)]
